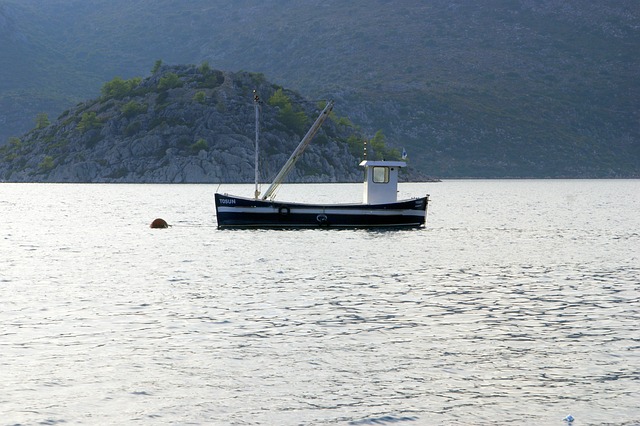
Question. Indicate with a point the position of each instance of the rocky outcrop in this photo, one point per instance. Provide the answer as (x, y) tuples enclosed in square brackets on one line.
[(182, 124)]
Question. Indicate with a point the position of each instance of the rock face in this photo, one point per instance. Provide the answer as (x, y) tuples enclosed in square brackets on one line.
[(182, 124)]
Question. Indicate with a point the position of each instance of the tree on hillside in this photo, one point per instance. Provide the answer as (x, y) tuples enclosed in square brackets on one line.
[(379, 146), (356, 146), (88, 121), (292, 119), (199, 145), (119, 88), (47, 164), (156, 66), (42, 120), (169, 81), (204, 68), (279, 99), (133, 108), (200, 97)]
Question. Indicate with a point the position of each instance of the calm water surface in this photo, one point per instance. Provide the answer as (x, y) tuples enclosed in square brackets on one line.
[(519, 303)]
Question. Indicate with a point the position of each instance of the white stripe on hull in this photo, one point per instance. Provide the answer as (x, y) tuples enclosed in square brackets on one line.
[(327, 211)]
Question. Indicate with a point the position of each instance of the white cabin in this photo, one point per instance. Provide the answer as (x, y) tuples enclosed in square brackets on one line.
[(381, 181)]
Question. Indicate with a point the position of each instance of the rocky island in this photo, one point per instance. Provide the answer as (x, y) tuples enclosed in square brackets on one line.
[(188, 124)]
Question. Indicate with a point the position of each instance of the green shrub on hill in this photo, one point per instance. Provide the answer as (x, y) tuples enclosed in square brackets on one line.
[(169, 81), (279, 99), (287, 115), (42, 120), (47, 164), (133, 108), (88, 121), (200, 97), (204, 68), (119, 88), (199, 145), (156, 66), (378, 145)]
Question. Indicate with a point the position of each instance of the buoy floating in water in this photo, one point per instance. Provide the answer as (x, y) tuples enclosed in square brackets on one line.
[(159, 224)]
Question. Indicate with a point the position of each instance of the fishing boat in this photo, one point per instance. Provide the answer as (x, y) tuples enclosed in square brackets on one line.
[(380, 207)]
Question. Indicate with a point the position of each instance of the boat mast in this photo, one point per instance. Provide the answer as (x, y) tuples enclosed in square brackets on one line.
[(256, 105), (270, 193)]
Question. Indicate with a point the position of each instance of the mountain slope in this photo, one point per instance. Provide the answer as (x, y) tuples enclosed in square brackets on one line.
[(495, 88)]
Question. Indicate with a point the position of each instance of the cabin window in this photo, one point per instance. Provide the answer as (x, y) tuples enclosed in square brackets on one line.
[(380, 174)]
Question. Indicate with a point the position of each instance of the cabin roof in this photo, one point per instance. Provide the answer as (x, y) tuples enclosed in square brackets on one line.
[(370, 163)]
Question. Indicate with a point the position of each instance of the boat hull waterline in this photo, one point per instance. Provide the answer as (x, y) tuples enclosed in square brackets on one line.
[(240, 212)]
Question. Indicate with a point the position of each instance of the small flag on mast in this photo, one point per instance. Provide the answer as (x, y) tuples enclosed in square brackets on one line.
[(404, 154)]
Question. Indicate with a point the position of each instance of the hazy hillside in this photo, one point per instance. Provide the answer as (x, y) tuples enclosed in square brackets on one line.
[(492, 88)]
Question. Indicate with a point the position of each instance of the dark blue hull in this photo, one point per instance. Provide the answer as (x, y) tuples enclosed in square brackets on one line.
[(238, 212)]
